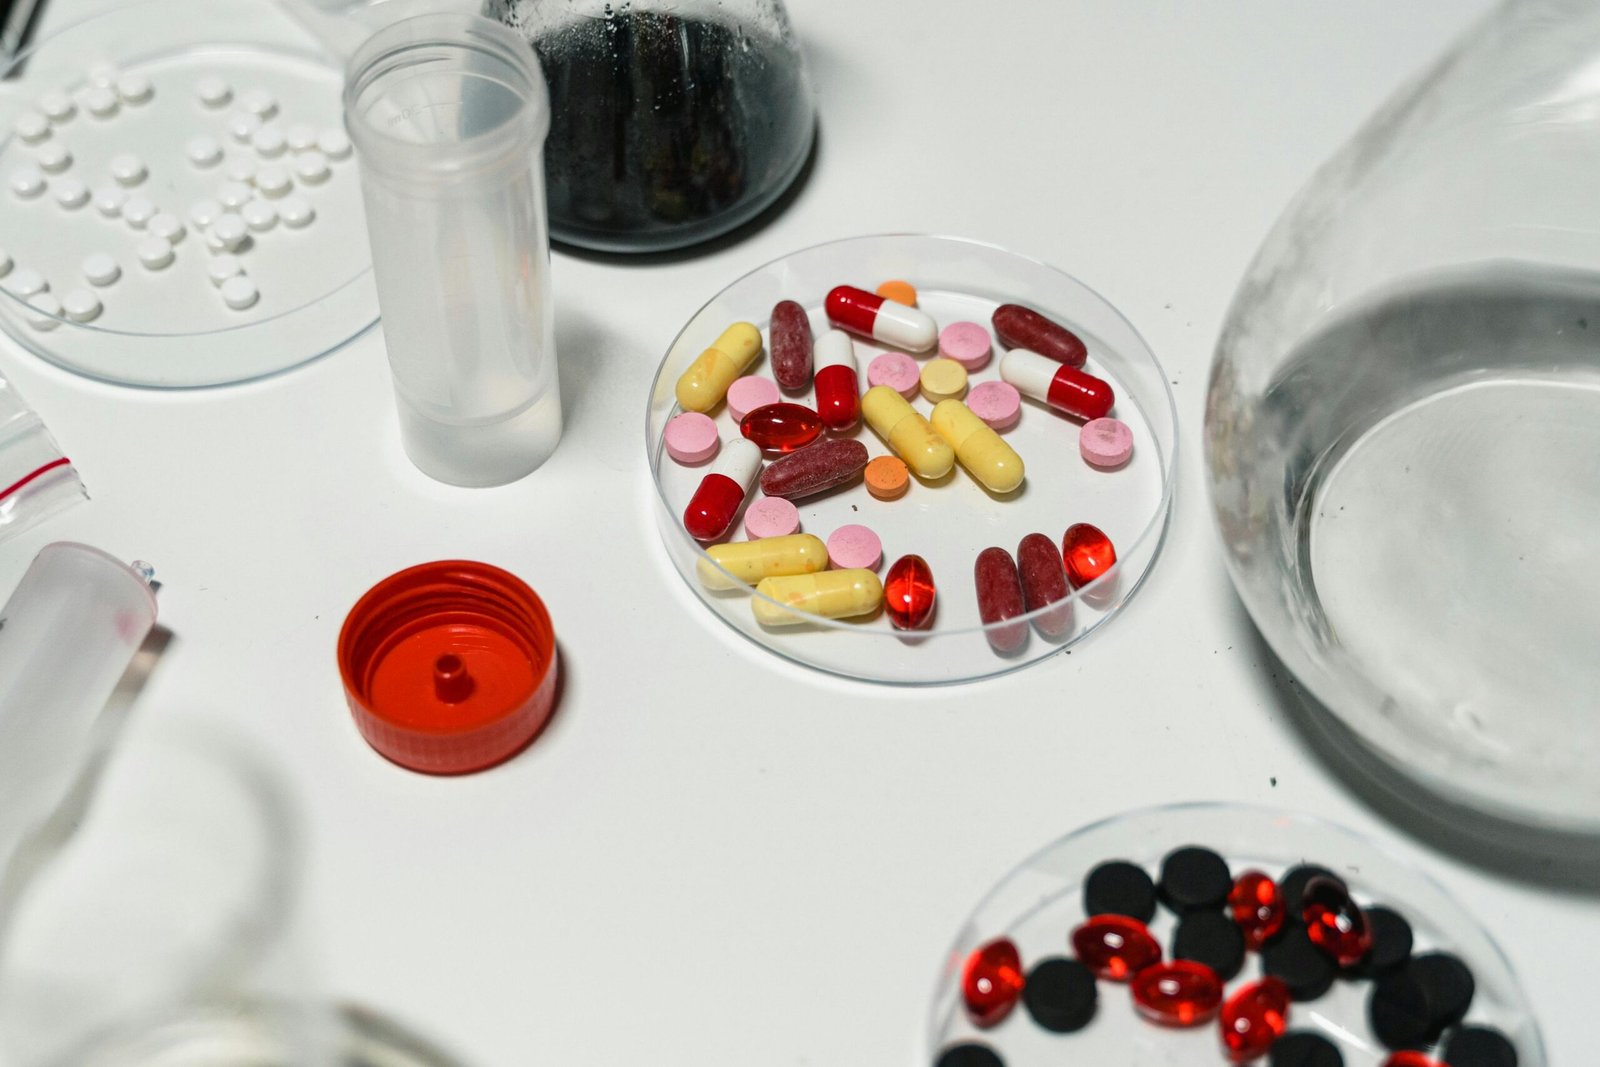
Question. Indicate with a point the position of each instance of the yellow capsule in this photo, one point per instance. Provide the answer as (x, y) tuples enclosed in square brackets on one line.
[(831, 594), (705, 383), (907, 433), (768, 557), (983, 453)]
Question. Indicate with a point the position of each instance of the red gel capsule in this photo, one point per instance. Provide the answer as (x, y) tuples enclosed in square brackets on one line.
[(781, 427), (1257, 908), (1023, 327), (1411, 1058), (909, 593), (1253, 1018), (991, 982), (1087, 553), (716, 501), (790, 346), (814, 469), (838, 388), (1000, 598), (1115, 947), (1335, 923), (1044, 582), (1178, 993)]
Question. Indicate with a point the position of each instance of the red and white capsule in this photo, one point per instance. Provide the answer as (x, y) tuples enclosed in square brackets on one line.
[(1062, 386), (835, 380), (885, 321), (715, 504)]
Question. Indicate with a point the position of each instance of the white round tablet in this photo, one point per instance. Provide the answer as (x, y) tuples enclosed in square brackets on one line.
[(128, 169), (311, 167), (273, 180), (27, 181), (44, 311), (102, 76), (334, 143), (54, 157), (259, 103), (223, 267), (100, 102), (240, 292), (26, 282), (213, 92), (135, 88), (234, 195), (166, 226), (5, 263), (100, 268), (137, 211), (203, 151), (32, 127), (259, 215), (241, 169), (204, 212), (230, 231), (71, 193), (300, 137), (269, 141), (80, 305), (296, 213), (155, 253), (108, 199), (242, 126), (57, 106)]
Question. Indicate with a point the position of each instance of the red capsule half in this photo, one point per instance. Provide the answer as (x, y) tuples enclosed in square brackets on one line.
[(909, 594), (1087, 553), (781, 427), (1023, 327), (1177, 993), (1334, 922), (1115, 946), (838, 387), (1253, 1018), (1000, 598), (790, 346), (1257, 908), (715, 504), (991, 982)]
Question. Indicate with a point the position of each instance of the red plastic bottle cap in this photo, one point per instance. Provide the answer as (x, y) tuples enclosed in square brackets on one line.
[(449, 667)]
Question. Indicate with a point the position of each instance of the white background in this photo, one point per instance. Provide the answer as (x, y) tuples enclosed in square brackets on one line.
[(712, 857)]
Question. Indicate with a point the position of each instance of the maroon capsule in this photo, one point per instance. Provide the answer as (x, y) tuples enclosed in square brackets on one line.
[(909, 594), (1334, 922), (991, 982), (1044, 582), (1021, 327), (1000, 598), (1115, 947), (789, 341), (781, 427), (1256, 905), (814, 469), (1253, 1018), (1177, 993), (1087, 553)]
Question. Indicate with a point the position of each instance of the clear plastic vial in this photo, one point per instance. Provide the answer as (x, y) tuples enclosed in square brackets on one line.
[(449, 114)]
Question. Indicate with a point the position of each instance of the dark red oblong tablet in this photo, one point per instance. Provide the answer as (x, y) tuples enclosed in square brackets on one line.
[(814, 469), (1044, 581), (789, 342), (1021, 327), (1000, 598)]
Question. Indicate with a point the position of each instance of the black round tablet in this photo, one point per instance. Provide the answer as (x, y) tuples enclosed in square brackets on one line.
[(1293, 886), (1391, 943), (1194, 878), (1302, 1048), (1400, 1011), (1118, 887), (1060, 994), (1479, 1046), (1303, 967), (1449, 985), (1211, 938), (970, 1054)]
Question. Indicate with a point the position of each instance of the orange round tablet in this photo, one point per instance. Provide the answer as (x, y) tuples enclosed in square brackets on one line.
[(887, 477), (898, 291)]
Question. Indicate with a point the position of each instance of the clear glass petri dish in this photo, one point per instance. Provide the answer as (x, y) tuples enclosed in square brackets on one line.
[(947, 523), (1039, 903), (171, 328)]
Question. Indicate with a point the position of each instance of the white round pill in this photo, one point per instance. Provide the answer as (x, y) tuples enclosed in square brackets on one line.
[(100, 102), (27, 181), (102, 76), (32, 127), (203, 151), (273, 180), (334, 143), (312, 168), (259, 215), (5, 263), (230, 231), (137, 211), (300, 137), (269, 141), (234, 195), (134, 88), (57, 106), (242, 126), (54, 157), (204, 212), (44, 311), (128, 169), (241, 169), (155, 253), (240, 292), (80, 305), (259, 103), (166, 226), (108, 200), (100, 268), (223, 267), (71, 193), (296, 213), (26, 282), (213, 92)]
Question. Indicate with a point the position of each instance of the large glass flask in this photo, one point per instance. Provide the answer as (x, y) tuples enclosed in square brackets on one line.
[(1403, 427)]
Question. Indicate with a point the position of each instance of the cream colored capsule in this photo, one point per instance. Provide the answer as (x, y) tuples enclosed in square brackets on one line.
[(705, 383), (983, 453), (831, 594), (768, 557), (907, 433)]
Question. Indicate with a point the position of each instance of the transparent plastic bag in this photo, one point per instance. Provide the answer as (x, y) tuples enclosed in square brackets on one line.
[(36, 478)]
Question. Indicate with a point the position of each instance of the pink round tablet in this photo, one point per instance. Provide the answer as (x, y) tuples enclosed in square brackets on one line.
[(691, 437), (896, 370), (996, 403), (771, 516), (854, 546), (1105, 442), (750, 392), (967, 343)]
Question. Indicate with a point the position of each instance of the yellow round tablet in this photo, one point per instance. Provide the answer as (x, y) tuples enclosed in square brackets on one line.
[(944, 379)]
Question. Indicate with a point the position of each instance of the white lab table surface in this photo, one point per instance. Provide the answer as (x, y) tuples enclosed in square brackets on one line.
[(711, 856)]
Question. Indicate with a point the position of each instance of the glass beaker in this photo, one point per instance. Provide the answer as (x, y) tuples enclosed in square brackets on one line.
[(673, 120), (1403, 424)]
